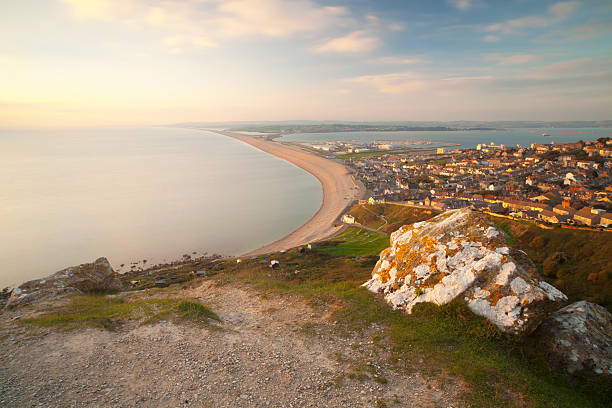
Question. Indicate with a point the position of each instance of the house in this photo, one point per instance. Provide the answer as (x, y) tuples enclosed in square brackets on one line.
[(552, 217), (439, 205), (551, 198), (585, 216), (606, 220), (348, 219), (563, 210)]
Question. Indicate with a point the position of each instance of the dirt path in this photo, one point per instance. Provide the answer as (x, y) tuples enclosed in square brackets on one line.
[(275, 352), (340, 189)]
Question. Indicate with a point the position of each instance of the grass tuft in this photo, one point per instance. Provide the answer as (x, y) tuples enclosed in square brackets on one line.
[(110, 313), (197, 312)]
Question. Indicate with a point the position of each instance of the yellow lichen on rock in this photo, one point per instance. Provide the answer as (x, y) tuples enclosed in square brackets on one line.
[(457, 254)]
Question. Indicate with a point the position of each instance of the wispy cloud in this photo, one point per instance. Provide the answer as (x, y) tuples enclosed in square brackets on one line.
[(197, 23), (593, 28), (393, 83), (574, 73), (399, 60), (511, 59), (491, 38), (356, 42), (461, 4), (556, 13)]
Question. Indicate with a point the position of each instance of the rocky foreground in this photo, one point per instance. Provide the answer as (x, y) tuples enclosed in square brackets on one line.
[(458, 255), (264, 352), (280, 351)]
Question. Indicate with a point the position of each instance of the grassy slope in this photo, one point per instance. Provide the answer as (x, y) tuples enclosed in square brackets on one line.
[(99, 311), (578, 262), (356, 241), (499, 370), (396, 215)]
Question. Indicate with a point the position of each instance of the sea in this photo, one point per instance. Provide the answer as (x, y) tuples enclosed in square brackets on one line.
[(70, 196), (464, 138)]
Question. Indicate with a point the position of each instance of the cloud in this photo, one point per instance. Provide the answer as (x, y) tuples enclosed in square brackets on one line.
[(399, 60), (491, 38), (461, 4), (468, 78), (511, 59), (564, 9), (277, 18), (355, 42), (592, 29), (206, 23), (579, 76), (396, 27), (394, 83), (569, 68), (556, 14), (98, 9)]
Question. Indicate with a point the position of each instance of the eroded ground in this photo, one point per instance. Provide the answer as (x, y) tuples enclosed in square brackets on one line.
[(267, 351)]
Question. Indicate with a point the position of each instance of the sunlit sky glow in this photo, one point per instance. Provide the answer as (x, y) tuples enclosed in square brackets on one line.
[(136, 62)]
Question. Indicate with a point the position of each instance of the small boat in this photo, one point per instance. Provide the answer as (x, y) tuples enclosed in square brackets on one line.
[(545, 134)]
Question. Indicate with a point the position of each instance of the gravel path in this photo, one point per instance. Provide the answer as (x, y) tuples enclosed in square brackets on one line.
[(262, 355)]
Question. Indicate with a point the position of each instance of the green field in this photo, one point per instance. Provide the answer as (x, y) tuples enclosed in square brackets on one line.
[(356, 241)]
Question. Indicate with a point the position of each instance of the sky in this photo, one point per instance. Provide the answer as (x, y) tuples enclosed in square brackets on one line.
[(76, 63)]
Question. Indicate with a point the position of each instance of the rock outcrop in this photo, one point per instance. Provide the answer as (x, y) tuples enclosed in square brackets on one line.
[(457, 254), (578, 338), (74, 280)]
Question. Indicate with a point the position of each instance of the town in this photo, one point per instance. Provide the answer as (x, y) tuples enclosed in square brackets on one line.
[(567, 184)]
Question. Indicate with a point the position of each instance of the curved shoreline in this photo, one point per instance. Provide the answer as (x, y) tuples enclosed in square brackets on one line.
[(336, 182)]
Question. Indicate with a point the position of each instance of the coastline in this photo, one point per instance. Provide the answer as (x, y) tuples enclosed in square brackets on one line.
[(336, 182)]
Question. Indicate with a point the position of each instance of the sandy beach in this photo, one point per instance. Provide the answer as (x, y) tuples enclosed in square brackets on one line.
[(339, 186)]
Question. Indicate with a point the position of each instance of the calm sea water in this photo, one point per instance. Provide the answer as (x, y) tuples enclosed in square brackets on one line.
[(68, 197), (466, 139)]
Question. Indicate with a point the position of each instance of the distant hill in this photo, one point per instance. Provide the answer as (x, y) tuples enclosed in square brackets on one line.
[(307, 126)]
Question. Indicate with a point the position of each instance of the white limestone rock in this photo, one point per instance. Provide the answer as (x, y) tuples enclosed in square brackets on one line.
[(98, 275), (457, 254), (578, 337)]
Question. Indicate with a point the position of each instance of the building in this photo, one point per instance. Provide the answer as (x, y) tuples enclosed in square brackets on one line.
[(585, 216), (563, 210), (552, 217), (606, 219), (348, 219)]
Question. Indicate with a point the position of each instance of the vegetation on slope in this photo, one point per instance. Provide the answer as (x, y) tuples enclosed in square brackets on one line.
[(436, 340), (395, 215), (356, 241), (100, 311), (578, 262), (499, 370)]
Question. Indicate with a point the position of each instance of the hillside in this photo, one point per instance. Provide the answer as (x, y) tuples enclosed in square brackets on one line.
[(319, 337), (389, 217), (576, 261)]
